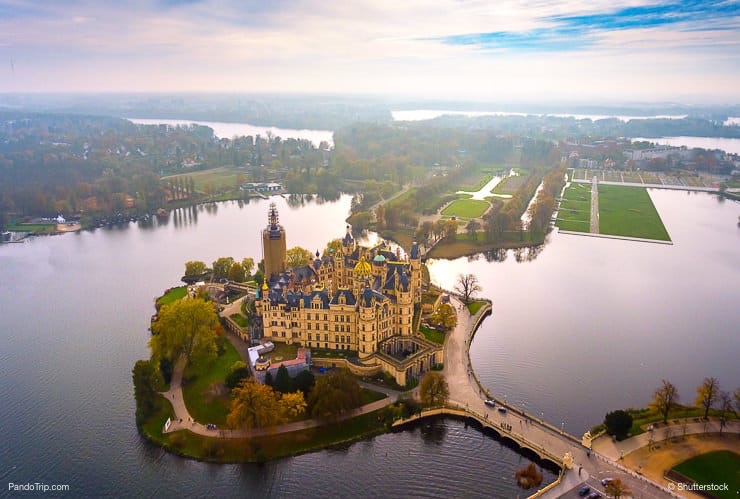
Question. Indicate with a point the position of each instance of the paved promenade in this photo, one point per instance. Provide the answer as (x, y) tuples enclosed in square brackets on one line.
[(594, 227)]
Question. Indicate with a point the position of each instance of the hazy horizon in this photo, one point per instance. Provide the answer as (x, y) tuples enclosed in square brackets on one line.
[(576, 51)]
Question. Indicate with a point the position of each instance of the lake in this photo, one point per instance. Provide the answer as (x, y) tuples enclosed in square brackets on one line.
[(725, 144), (229, 130), (592, 325), (430, 114), (586, 326), (75, 311)]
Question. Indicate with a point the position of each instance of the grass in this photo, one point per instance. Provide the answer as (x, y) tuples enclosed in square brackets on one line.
[(433, 335), (270, 447), (369, 396), (466, 208), (474, 187), (629, 211), (574, 213), (31, 227), (718, 467), (330, 353), (220, 179), (203, 403), (283, 351), (463, 246), (240, 320), (172, 295), (474, 306)]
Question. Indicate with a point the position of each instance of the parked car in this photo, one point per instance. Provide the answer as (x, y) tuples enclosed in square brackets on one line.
[(584, 490), (606, 481), (593, 495), (490, 403)]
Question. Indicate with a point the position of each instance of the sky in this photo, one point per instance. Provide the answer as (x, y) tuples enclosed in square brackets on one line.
[(535, 50)]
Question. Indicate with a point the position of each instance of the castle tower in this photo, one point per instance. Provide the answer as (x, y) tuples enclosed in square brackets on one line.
[(273, 244), (366, 324), (361, 275), (415, 262)]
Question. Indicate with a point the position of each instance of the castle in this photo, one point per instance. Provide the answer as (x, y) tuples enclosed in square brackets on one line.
[(356, 299)]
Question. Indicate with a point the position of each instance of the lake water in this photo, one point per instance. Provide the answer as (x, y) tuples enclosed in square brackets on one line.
[(725, 144), (230, 130), (591, 325), (74, 315), (430, 114), (587, 326)]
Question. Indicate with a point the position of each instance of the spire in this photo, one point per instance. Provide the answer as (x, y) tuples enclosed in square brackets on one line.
[(272, 216)]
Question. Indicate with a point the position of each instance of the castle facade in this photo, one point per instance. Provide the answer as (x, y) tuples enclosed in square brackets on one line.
[(355, 299)]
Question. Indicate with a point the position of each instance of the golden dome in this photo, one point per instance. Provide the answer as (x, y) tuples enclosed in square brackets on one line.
[(362, 269), (264, 285)]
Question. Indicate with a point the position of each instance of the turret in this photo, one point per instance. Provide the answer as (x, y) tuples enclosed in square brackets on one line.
[(366, 324)]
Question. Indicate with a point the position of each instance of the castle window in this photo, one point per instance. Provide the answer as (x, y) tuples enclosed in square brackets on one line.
[(326, 317), (309, 337), (336, 328), (326, 338), (308, 326), (363, 337), (336, 338), (326, 327), (283, 335)]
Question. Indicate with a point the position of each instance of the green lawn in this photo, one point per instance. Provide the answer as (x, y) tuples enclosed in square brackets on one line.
[(574, 213), (717, 468), (474, 306), (433, 335), (466, 208), (204, 402), (172, 295), (240, 320), (31, 227), (369, 396), (283, 351), (629, 211)]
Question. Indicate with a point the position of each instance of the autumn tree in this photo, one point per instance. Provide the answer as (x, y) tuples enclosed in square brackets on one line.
[(434, 390), (283, 382), (665, 398), (193, 268), (725, 407), (293, 405), (221, 267), (185, 328), (253, 405), (467, 285), (472, 229), (444, 316), (616, 488), (706, 394), (296, 257), (334, 395)]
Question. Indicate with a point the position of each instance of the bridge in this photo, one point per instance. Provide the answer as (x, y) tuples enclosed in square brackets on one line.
[(532, 434)]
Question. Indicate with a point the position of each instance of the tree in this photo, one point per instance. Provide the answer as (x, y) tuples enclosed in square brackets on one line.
[(334, 394), (283, 382), (616, 488), (185, 327), (434, 390), (528, 477), (333, 247), (146, 378), (193, 268), (253, 405), (296, 257), (221, 267), (236, 272), (467, 285), (293, 405), (444, 316), (665, 398), (472, 228), (618, 423), (304, 381), (706, 394), (239, 371), (725, 406), (248, 266)]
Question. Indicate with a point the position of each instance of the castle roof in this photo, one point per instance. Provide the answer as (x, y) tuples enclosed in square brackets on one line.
[(349, 298), (362, 269)]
